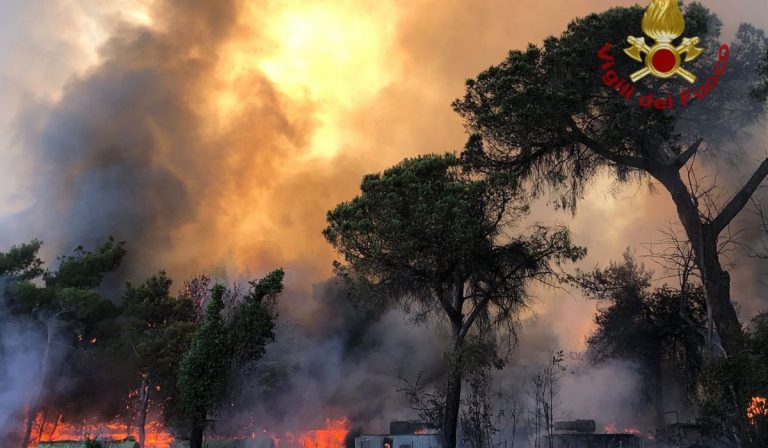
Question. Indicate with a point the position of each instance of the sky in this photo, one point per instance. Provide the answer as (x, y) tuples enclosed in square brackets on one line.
[(216, 135)]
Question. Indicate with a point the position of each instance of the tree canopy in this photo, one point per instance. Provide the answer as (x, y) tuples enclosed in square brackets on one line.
[(67, 309), (226, 339), (439, 241), (156, 329), (652, 327), (544, 116)]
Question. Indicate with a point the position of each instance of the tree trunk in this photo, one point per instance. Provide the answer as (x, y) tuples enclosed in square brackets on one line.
[(144, 402), (453, 392), (703, 237), (42, 425), (658, 392), (35, 403), (196, 438), (717, 287), (715, 280)]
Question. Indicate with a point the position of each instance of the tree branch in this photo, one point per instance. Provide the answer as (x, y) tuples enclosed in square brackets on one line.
[(479, 307), (741, 198), (686, 155), (599, 149)]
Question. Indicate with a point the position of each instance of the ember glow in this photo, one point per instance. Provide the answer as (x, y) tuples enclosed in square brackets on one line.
[(611, 428), (52, 431), (758, 407), (332, 436), (289, 103)]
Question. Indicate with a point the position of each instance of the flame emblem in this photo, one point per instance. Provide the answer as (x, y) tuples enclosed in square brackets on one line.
[(663, 22)]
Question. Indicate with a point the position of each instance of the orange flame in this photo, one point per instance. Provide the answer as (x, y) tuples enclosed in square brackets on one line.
[(332, 436), (156, 435), (757, 407), (612, 429)]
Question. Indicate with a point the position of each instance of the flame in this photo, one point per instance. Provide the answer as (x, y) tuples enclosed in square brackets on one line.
[(156, 435), (329, 55), (663, 21), (611, 428), (757, 407), (332, 436)]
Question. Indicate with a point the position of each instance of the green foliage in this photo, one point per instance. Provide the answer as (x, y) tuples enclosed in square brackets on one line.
[(22, 262), (646, 325), (156, 332), (152, 303), (73, 318), (69, 292), (430, 236), (85, 269), (544, 114), (253, 321), (423, 225), (221, 344), (204, 369)]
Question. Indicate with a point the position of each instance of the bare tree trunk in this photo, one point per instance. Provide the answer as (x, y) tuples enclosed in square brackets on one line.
[(453, 392), (42, 425), (658, 389), (703, 237), (144, 402), (198, 428), (55, 426), (35, 403)]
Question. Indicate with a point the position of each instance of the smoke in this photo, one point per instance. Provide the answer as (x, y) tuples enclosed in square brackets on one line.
[(332, 360), (609, 394), (215, 134), (20, 361)]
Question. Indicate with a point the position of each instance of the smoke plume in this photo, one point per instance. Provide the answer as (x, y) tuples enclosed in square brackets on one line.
[(215, 134)]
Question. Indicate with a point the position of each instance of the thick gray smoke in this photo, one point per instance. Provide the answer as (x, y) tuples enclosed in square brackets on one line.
[(125, 151), (332, 361), (129, 149), (21, 350)]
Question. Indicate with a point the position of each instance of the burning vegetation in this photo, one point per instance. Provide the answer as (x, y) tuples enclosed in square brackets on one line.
[(441, 239), (157, 436), (758, 408)]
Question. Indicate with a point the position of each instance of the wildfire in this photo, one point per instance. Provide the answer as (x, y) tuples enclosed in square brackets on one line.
[(47, 431), (757, 407), (332, 436), (612, 429)]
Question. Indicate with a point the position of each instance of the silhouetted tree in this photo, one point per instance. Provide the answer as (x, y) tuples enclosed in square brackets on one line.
[(67, 308), (545, 115), (222, 343), (743, 374), (21, 262), (430, 237), (156, 332), (647, 326)]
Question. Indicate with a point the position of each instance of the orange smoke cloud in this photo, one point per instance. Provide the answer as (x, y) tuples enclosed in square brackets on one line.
[(216, 135)]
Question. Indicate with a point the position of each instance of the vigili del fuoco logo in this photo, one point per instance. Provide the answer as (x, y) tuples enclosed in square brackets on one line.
[(663, 23)]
